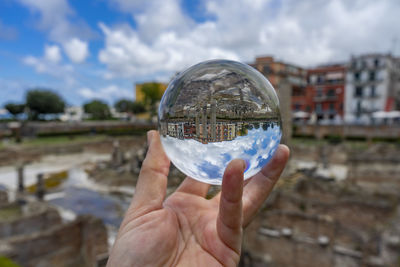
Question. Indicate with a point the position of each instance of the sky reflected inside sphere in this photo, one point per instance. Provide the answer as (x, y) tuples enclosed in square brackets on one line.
[(217, 111)]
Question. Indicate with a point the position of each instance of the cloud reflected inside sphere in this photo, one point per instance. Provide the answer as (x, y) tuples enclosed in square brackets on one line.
[(217, 111)]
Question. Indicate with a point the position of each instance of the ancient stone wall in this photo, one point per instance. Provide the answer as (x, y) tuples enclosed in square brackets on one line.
[(77, 243), (319, 223), (31, 218), (3, 198)]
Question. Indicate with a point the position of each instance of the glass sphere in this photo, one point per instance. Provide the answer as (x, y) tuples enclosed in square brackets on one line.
[(217, 111)]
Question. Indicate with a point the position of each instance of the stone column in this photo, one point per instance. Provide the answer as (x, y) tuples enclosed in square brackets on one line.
[(40, 189), (324, 156), (20, 172), (213, 119), (284, 91), (117, 157), (197, 121), (204, 124)]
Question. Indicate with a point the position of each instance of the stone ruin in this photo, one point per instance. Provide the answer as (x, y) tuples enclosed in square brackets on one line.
[(320, 223), (32, 233)]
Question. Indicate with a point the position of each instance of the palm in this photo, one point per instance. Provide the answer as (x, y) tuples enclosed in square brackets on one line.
[(187, 225), (186, 229), (194, 221)]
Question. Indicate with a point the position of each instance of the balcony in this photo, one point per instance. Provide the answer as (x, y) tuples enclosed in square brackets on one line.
[(325, 98), (365, 82), (326, 112), (369, 96)]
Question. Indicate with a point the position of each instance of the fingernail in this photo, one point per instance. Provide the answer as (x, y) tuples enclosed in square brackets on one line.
[(244, 164), (149, 137)]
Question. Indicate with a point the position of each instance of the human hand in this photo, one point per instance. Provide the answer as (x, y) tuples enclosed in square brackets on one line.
[(186, 229)]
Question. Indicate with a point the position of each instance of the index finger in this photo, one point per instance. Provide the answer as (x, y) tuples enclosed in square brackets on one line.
[(261, 184), (229, 222)]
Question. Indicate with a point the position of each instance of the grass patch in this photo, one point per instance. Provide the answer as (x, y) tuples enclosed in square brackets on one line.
[(126, 131), (6, 262), (308, 141), (52, 181), (59, 140), (10, 213)]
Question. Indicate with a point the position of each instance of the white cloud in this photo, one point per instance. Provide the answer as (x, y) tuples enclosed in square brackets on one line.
[(58, 19), (166, 39), (50, 64), (76, 50), (52, 53), (127, 55), (60, 22), (109, 93), (207, 162)]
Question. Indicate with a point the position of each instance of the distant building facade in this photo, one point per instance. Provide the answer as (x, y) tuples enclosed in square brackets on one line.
[(351, 92), (371, 85), (396, 82), (73, 114), (278, 71), (325, 92), (290, 83)]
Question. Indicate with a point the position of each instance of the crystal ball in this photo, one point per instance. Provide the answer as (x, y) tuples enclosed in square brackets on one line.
[(217, 111)]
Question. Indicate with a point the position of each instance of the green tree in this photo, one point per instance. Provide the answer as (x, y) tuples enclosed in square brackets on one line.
[(42, 102), (138, 107), (15, 109), (123, 105), (98, 110), (152, 94)]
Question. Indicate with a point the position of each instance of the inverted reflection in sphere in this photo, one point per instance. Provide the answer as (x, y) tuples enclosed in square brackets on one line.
[(217, 111)]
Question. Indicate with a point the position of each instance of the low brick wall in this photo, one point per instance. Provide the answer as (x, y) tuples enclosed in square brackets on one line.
[(64, 128), (348, 131)]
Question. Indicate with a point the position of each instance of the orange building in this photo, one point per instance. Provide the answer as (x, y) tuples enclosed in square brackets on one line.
[(277, 71), (327, 89)]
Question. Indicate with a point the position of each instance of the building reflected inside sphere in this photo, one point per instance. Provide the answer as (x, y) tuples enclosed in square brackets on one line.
[(217, 111)]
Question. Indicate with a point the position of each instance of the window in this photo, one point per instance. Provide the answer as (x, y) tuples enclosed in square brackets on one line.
[(332, 107), (357, 76), (363, 64), (297, 107), (372, 76), (320, 91), (313, 79), (376, 62), (318, 107), (373, 91), (358, 108), (298, 91), (358, 92), (266, 70), (331, 92)]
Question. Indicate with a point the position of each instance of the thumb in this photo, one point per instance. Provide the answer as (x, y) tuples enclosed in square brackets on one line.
[(152, 182)]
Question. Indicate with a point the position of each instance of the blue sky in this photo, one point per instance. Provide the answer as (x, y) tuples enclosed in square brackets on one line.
[(101, 48)]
